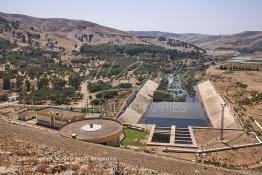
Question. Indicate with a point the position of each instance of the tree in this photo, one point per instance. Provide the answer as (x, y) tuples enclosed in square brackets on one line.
[(98, 101), (43, 82), (28, 85), (98, 86), (3, 97), (74, 81), (6, 84), (125, 85), (19, 83), (59, 84)]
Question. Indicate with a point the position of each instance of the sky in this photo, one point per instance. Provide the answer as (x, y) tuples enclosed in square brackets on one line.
[(177, 16)]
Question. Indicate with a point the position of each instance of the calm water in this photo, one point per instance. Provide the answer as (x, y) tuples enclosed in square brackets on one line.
[(180, 114)]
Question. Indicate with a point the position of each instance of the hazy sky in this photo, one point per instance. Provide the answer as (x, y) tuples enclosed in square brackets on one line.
[(179, 16)]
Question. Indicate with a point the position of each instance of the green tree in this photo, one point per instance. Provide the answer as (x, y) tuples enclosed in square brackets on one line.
[(59, 84), (28, 85), (74, 81), (125, 85), (19, 83), (43, 82), (3, 97), (6, 84)]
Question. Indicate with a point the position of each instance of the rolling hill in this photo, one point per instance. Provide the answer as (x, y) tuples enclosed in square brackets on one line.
[(248, 39), (70, 34)]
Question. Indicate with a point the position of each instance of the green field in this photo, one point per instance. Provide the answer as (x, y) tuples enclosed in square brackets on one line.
[(133, 137)]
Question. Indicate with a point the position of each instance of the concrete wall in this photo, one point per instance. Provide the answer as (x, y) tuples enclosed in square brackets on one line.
[(140, 104), (46, 121), (212, 101)]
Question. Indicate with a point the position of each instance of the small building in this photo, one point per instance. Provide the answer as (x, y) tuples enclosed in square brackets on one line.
[(26, 115), (56, 118)]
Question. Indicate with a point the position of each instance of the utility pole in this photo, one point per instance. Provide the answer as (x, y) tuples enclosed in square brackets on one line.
[(222, 122)]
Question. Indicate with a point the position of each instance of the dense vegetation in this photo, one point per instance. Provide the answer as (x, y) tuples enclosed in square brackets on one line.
[(98, 86), (104, 92), (142, 50), (188, 81), (5, 44), (161, 94), (242, 50), (39, 75), (63, 96)]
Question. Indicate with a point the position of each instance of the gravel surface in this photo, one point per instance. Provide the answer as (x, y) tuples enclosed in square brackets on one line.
[(78, 148)]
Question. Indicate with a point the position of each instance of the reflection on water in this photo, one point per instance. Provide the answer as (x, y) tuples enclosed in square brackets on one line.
[(180, 114)]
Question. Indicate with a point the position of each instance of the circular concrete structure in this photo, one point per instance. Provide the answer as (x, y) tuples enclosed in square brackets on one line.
[(97, 130), (91, 127)]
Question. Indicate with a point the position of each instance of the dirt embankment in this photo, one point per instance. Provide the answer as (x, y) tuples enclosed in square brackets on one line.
[(243, 90), (237, 158), (44, 141)]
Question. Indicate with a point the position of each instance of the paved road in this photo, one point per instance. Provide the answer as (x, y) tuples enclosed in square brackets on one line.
[(159, 163)]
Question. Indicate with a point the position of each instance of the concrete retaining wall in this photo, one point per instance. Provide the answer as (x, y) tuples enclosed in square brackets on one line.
[(140, 104), (212, 101)]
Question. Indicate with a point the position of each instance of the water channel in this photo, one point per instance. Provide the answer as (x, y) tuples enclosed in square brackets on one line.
[(181, 114)]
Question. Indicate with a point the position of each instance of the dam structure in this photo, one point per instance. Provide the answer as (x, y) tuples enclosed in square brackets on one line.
[(137, 108), (172, 123), (212, 102)]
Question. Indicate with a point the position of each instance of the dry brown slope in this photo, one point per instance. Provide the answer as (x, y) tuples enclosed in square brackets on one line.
[(247, 39), (159, 163), (82, 32)]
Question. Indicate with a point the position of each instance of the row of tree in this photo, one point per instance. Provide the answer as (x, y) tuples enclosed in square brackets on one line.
[(136, 50)]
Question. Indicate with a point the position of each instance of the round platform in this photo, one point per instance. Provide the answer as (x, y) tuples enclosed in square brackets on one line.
[(97, 130), (91, 127)]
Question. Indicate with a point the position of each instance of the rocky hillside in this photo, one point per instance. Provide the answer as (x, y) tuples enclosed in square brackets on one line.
[(249, 39), (20, 157), (68, 34)]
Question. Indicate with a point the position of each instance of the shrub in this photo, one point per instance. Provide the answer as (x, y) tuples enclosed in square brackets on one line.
[(98, 86), (3, 97), (125, 85), (98, 101)]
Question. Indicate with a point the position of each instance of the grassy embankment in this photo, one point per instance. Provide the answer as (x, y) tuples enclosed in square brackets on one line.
[(133, 137)]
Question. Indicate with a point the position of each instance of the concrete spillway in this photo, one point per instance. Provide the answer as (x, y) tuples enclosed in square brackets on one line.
[(140, 104), (212, 101)]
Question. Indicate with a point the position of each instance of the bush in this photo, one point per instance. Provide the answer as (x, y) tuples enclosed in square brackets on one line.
[(99, 95), (160, 96), (98, 86), (110, 94), (3, 97), (125, 85), (107, 94), (6, 84), (56, 96), (59, 84), (241, 85), (75, 81), (98, 101)]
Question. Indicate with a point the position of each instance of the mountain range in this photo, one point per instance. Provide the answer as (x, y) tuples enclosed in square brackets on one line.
[(247, 39), (70, 34)]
